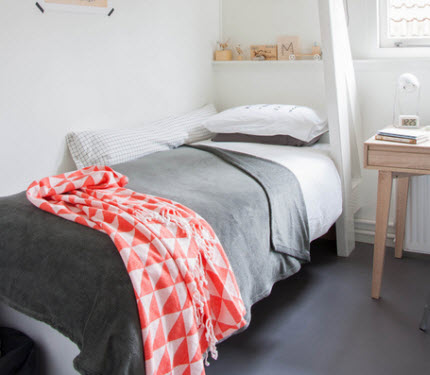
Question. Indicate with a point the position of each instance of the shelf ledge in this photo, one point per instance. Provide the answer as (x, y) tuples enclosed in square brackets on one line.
[(269, 65), (267, 62)]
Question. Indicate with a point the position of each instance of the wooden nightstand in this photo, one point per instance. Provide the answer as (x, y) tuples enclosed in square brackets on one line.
[(393, 160)]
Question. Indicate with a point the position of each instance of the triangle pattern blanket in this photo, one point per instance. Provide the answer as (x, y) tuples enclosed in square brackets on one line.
[(186, 293)]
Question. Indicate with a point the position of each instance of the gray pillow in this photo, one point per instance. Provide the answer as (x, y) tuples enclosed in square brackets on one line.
[(285, 140)]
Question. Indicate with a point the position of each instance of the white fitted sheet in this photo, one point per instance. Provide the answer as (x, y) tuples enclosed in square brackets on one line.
[(315, 171)]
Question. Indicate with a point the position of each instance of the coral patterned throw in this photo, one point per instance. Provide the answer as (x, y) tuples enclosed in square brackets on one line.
[(185, 289)]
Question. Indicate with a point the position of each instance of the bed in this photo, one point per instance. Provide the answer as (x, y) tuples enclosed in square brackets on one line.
[(323, 201), (327, 193)]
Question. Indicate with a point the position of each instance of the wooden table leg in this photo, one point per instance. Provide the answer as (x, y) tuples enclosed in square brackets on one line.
[(401, 205), (382, 211)]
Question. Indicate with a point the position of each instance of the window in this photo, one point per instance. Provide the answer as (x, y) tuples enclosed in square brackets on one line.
[(404, 23)]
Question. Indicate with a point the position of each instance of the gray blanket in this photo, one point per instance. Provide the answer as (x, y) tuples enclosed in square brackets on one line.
[(73, 278)]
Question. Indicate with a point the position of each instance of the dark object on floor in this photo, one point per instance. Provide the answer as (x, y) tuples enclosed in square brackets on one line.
[(330, 235), (17, 353), (425, 321)]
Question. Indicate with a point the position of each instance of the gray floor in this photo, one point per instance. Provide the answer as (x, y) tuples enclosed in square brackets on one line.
[(323, 321)]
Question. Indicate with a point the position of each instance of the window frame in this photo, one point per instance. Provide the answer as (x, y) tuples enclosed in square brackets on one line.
[(399, 42)]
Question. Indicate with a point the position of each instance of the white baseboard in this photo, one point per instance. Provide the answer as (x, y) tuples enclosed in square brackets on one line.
[(365, 232)]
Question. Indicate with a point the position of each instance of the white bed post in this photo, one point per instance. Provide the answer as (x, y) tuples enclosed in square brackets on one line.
[(343, 114)]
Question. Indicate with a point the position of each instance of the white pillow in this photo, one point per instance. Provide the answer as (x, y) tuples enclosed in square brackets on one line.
[(113, 146), (269, 119)]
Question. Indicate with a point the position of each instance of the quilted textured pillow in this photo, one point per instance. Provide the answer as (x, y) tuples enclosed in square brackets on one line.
[(113, 146)]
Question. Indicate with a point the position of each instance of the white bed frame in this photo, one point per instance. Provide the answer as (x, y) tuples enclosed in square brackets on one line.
[(57, 352), (343, 115)]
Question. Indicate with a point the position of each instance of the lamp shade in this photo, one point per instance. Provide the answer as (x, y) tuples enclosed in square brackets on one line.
[(408, 83), (406, 99)]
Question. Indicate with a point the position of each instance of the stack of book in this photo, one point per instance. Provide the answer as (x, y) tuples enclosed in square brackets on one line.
[(410, 136)]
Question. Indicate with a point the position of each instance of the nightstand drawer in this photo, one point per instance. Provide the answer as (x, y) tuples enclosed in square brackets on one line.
[(395, 159)]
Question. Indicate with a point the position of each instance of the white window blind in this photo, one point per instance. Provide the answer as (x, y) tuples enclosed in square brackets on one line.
[(405, 23), (409, 19)]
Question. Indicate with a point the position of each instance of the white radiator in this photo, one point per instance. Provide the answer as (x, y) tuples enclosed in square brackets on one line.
[(417, 237)]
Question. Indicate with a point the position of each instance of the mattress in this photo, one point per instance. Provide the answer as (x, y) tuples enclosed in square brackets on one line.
[(315, 171)]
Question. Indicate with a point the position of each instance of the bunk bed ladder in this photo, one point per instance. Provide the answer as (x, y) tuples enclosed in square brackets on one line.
[(343, 115)]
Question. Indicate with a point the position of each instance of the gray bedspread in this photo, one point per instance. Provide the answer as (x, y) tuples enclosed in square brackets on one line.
[(73, 278)]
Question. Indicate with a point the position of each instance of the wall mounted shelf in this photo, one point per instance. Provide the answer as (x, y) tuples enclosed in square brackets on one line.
[(418, 64), (268, 62), (247, 65)]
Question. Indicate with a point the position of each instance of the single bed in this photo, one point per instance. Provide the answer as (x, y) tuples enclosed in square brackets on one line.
[(321, 188)]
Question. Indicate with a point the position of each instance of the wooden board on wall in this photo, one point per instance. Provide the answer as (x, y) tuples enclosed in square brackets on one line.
[(87, 3), (287, 46), (270, 52)]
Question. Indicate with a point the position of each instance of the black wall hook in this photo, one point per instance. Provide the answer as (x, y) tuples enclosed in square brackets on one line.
[(40, 8)]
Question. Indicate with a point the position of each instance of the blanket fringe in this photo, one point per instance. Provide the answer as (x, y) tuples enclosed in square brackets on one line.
[(204, 240)]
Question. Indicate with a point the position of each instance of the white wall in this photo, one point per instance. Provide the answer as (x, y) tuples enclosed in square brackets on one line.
[(260, 22), (256, 83), (62, 71), (249, 22)]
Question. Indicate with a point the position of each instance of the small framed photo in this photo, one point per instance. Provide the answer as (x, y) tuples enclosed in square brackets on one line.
[(264, 52), (78, 6), (409, 121), (287, 46)]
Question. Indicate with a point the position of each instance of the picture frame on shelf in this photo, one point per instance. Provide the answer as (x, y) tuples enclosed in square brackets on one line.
[(264, 52), (288, 46), (101, 7)]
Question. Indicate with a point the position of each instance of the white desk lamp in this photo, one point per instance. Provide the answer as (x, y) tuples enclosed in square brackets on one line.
[(406, 102)]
